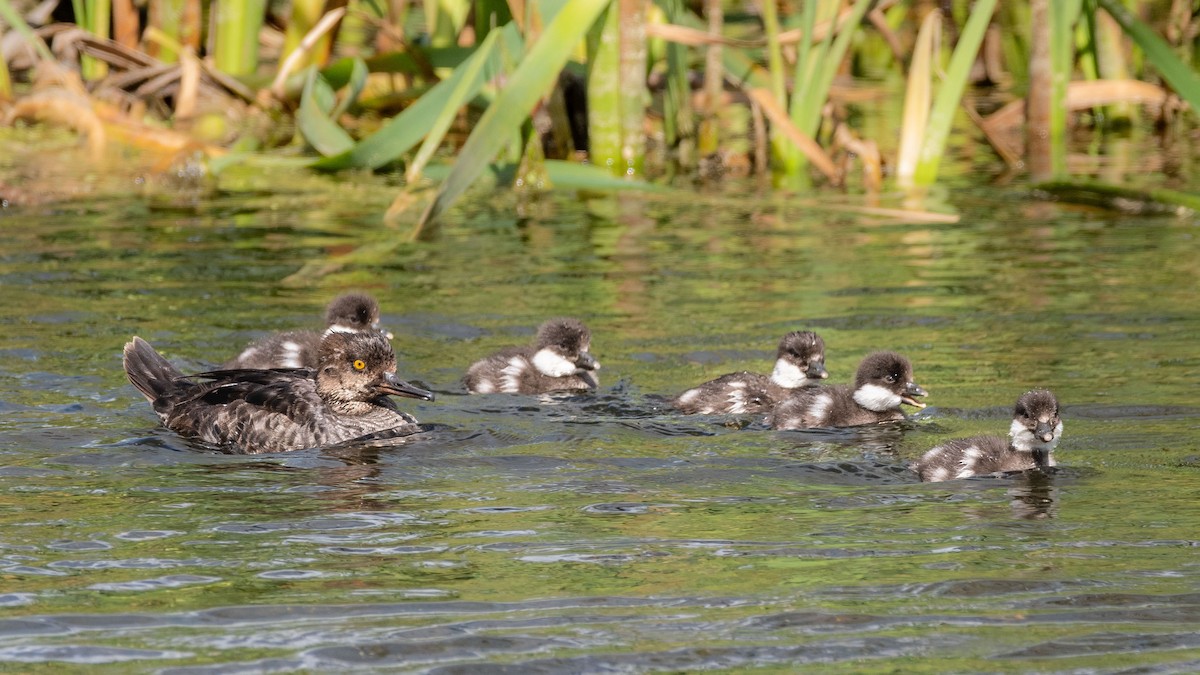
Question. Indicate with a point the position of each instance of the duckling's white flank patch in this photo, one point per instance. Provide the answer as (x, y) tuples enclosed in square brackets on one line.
[(737, 397), (510, 380), (788, 375), (818, 410), (552, 364), (689, 396), (970, 458), (484, 386), (339, 328), (1024, 440), (875, 397), (939, 474), (290, 355)]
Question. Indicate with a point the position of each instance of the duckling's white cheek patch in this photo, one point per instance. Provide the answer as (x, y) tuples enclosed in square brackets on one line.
[(875, 397), (552, 364), (788, 375), (1022, 438)]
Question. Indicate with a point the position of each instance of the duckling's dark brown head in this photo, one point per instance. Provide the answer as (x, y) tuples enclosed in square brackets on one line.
[(1036, 425), (885, 380), (562, 348), (353, 312), (801, 357)]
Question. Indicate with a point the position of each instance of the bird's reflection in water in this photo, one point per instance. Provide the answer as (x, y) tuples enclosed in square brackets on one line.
[(1033, 495)]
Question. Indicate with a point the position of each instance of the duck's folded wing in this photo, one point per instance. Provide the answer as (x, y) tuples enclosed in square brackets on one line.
[(291, 392)]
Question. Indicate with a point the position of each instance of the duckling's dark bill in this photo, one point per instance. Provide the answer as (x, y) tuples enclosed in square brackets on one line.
[(911, 390), (397, 387)]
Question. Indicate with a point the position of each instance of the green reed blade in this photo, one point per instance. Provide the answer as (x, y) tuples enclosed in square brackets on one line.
[(1184, 80), (236, 38), (946, 103), (463, 91), (537, 72), (312, 118), (604, 91), (357, 82), (818, 92), (407, 129), (1063, 14), (917, 98)]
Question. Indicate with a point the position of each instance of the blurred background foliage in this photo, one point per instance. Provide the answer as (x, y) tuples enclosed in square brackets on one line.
[(610, 94)]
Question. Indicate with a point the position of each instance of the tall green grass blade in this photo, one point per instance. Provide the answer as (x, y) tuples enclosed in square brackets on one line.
[(604, 91), (167, 17), (236, 39), (462, 92), (917, 98), (6, 91), (357, 82), (305, 14), (94, 16), (535, 75), (818, 92), (322, 133), (679, 126), (1184, 80), (407, 129), (786, 158), (634, 95), (806, 105), (1063, 14), (489, 15), (948, 97)]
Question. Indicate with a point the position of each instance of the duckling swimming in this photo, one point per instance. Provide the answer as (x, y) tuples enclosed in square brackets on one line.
[(257, 411), (558, 360), (799, 360), (349, 313), (1036, 428), (882, 383)]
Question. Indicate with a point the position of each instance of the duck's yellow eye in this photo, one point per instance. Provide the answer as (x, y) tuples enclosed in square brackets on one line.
[(359, 364)]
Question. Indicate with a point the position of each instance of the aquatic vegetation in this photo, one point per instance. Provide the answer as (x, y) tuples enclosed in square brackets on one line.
[(375, 85)]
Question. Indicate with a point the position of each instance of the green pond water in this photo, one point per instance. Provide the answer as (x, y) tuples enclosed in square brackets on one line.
[(603, 532)]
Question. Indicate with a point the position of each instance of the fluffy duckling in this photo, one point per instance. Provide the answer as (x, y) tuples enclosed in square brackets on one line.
[(349, 313), (799, 360), (883, 382), (1032, 437), (558, 360)]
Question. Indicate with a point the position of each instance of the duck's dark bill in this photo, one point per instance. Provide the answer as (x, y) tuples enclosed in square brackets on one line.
[(398, 387)]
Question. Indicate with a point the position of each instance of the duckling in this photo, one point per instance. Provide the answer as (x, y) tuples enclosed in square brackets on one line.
[(799, 360), (882, 383), (257, 411), (349, 313), (558, 360), (1036, 428)]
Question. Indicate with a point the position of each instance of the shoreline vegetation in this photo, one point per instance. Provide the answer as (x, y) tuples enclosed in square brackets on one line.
[(614, 94)]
